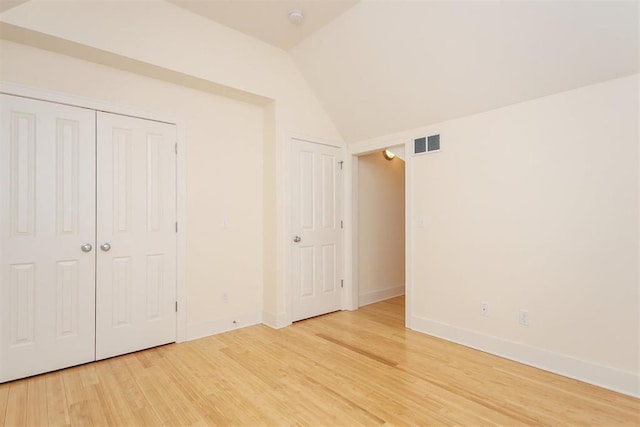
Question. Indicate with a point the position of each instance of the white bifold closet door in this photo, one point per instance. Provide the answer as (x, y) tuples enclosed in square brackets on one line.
[(136, 280), (80, 283), (47, 191)]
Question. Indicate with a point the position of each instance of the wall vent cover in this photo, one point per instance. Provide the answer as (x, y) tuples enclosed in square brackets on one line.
[(433, 143), (426, 144)]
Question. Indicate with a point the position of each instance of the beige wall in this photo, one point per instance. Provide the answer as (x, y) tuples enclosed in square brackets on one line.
[(380, 228), (534, 207)]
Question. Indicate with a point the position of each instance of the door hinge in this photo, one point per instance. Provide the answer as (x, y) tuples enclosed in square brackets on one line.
[(342, 283), (340, 164), (176, 306), (176, 226), (176, 148)]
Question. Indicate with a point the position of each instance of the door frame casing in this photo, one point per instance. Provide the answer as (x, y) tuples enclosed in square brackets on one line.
[(354, 151), (16, 89)]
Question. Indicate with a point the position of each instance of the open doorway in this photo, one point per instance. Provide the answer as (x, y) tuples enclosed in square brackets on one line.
[(380, 220)]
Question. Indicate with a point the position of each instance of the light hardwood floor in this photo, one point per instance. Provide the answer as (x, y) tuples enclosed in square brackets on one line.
[(345, 368)]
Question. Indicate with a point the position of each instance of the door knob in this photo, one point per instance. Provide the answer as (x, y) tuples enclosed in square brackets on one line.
[(105, 247), (297, 239), (86, 247)]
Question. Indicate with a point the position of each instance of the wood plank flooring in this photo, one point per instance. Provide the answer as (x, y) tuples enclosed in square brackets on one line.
[(342, 369)]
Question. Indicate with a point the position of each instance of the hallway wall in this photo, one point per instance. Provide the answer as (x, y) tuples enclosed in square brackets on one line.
[(381, 265)]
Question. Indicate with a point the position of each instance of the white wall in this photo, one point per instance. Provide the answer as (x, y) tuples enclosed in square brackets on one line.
[(380, 228), (534, 207)]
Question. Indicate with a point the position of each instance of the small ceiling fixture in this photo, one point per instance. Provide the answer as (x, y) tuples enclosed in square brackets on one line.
[(388, 155), (296, 16)]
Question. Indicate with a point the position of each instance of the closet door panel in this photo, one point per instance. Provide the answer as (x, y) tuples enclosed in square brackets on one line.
[(136, 193), (47, 200)]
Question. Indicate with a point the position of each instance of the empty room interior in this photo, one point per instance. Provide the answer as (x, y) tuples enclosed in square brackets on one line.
[(319, 212)]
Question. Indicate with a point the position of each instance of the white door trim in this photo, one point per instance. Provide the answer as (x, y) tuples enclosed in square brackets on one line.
[(11, 88), (351, 236)]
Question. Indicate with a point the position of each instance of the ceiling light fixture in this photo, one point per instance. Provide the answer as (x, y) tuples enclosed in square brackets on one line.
[(388, 155), (296, 16)]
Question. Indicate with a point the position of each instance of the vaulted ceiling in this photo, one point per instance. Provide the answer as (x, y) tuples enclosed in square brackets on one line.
[(387, 66), (383, 66), (380, 67)]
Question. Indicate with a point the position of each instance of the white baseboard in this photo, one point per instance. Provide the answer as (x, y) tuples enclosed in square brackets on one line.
[(613, 379), (275, 321), (380, 295), (223, 324)]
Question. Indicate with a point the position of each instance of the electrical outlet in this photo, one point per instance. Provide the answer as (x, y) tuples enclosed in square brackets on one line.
[(225, 297), (523, 317), (484, 308)]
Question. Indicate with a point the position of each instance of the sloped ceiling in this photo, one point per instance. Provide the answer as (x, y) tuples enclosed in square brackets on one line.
[(386, 66), (8, 4)]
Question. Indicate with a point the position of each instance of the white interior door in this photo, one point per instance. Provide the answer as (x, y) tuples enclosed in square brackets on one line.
[(136, 235), (47, 282), (317, 226)]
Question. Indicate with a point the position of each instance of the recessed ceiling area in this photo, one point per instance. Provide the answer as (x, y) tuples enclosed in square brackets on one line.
[(268, 20)]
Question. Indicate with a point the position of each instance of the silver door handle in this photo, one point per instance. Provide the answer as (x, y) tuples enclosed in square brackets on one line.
[(105, 247), (297, 239), (86, 247)]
